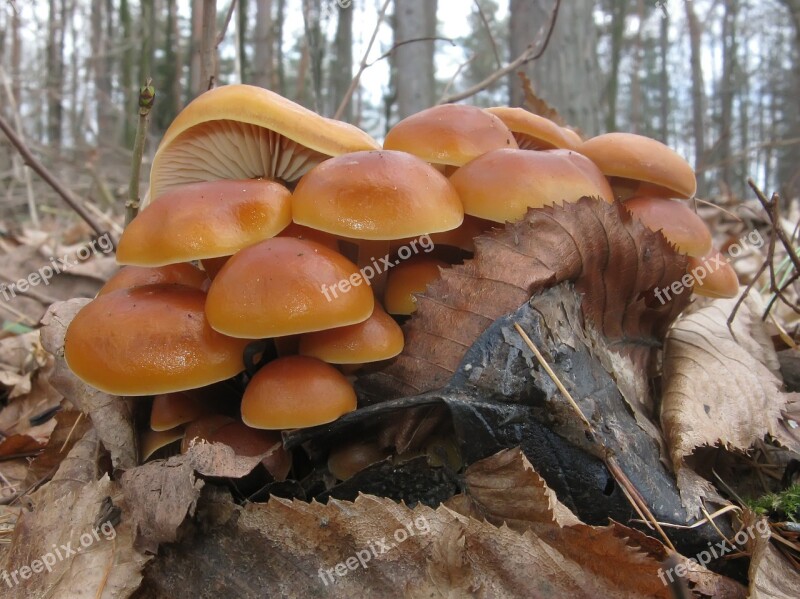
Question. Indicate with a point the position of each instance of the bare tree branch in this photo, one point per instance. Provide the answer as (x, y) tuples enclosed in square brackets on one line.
[(527, 56), (45, 174)]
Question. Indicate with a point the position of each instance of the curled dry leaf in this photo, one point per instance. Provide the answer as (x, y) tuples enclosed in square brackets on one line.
[(86, 560), (218, 459), (160, 495), (111, 415), (373, 547), (719, 388)]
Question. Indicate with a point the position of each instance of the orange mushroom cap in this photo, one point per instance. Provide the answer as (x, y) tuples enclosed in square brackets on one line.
[(247, 132), (296, 392), (129, 277), (174, 409), (534, 132), (205, 220), (377, 338), (450, 134), (247, 441), (678, 223), (151, 441), (149, 340), (349, 459), (379, 195), (713, 276), (284, 286), (301, 232), (500, 186), (653, 168), (408, 278), (203, 428)]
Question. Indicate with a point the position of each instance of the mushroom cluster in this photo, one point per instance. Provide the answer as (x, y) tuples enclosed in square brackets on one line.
[(271, 261)]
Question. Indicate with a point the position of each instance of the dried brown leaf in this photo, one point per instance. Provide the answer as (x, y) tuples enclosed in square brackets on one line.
[(719, 389), (771, 575)]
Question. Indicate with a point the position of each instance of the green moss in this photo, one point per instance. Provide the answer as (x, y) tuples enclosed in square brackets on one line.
[(779, 506)]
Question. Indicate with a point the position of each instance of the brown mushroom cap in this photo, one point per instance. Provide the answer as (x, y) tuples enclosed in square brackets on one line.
[(174, 409), (500, 186), (296, 392), (250, 442), (720, 280), (205, 220), (406, 279), (377, 338), (450, 134), (349, 459), (678, 223), (301, 232), (151, 441), (129, 277), (379, 195), (246, 132), (278, 287), (203, 428), (149, 340), (656, 169), (533, 132)]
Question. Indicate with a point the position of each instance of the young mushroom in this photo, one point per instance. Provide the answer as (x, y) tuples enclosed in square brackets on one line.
[(296, 392), (713, 276), (377, 338), (678, 223), (502, 185), (129, 277), (406, 279), (534, 132), (450, 135), (149, 340), (638, 165), (285, 286), (205, 220), (246, 132)]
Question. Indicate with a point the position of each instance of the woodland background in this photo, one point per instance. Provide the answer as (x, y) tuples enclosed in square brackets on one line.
[(718, 80)]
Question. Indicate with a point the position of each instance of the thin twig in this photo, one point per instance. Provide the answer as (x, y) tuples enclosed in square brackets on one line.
[(527, 56), (391, 50), (460, 68), (45, 174), (225, 24), (489, 33), (354, 82), (147, 96)]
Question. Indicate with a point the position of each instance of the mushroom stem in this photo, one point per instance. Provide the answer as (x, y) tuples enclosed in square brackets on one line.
[(373, 257)]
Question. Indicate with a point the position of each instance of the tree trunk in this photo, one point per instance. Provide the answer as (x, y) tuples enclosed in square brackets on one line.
[(342, 64), (279, 23), (568, 74), (698, 94), (55, 72), (414, 61), (263, 59), (208, 49), (663, 79), (102, 80), (618, 20), (726, 92), (242, 14), (126, 73), (312, 13), (789, 155), (169, 80), (196, 45)]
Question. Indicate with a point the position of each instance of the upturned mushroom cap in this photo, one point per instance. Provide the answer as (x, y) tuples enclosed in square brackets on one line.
[(149, 340), (713, 276), (408, 278), (646, 166), (246, 132), (296, 392), (284, 286), (450, 134), (500, 186), (678, 223), (534, 132), (377, 338), (379, 195), (205, 220), (203, 428), (129, 277)]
